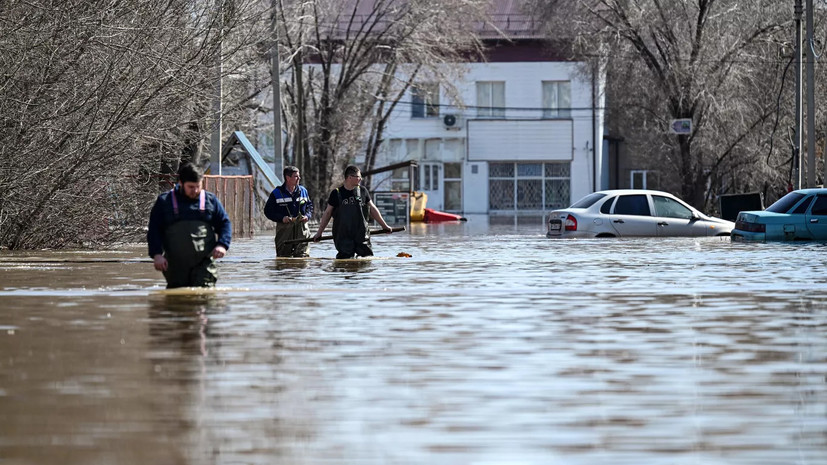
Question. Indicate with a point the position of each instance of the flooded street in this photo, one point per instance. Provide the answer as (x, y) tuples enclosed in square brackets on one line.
[(490, 345)]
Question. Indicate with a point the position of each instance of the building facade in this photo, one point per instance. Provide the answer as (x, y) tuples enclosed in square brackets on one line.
[(526, 138)]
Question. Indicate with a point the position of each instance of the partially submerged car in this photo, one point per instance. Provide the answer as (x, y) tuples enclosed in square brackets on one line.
[(800, 215), (633, 212)]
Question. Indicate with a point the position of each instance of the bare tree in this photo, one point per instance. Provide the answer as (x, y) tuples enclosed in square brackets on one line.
[(712, 61), (351, 62), (97, 96)]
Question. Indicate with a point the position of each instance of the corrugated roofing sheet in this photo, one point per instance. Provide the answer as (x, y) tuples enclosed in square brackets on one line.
[(508, 18)]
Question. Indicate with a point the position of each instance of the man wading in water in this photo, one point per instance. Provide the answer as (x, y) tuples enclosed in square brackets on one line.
[(183, 226), (351, 207), (290, 207)]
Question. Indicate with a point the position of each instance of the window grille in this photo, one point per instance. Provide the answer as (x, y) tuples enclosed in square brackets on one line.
[(529, 186)]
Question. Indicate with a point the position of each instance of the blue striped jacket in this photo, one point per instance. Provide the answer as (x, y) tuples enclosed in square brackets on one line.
[(283, 203)]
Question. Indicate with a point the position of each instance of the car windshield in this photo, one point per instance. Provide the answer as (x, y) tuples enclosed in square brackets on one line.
[(588, 200), (784, 204)]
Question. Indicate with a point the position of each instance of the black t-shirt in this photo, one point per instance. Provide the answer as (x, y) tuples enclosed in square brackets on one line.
[(346, 195)]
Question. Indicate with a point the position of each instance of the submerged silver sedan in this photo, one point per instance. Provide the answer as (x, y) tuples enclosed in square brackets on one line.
[(633, 212)]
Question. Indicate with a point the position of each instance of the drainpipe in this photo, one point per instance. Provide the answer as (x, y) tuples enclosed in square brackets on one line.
[(594, 126)]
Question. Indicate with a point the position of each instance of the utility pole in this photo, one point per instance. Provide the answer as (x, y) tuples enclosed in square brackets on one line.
[(298, 143), (215, 139), (276, 78), (798, 107), (811, 102)]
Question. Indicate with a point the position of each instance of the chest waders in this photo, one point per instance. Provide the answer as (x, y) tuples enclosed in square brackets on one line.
[(188, 246), (293, 230), (350, 227)]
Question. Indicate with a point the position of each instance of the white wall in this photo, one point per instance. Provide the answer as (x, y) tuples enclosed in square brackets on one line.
[(538, 140), (519, 140)]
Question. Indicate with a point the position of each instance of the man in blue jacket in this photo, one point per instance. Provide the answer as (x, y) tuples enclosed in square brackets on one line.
[(291, 208), (188, 231)]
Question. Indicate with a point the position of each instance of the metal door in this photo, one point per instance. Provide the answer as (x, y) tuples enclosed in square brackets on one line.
[(430, 182)]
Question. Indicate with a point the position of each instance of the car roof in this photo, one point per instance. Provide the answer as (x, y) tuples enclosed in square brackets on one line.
[(812, 190), (633, 191)]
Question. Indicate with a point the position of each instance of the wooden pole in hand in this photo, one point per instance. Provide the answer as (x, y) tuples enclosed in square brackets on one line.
[(328, 237)]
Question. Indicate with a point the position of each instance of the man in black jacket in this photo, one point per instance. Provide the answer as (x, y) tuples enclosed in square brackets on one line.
[(351, 207)]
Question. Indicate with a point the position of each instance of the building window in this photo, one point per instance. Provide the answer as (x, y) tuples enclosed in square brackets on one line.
[(400, 179), (556, 99), (643, 179), (529, 186), (431, 174), (557, 185), (491, 99), (426, 177), (425, 100), (453, 186)]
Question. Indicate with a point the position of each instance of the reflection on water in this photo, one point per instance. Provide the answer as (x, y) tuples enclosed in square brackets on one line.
[(487, 346)]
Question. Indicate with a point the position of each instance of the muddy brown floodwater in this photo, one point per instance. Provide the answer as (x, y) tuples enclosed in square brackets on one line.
[(489, 345)]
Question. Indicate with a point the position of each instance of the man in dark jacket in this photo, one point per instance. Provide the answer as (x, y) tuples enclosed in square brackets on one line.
[(188, 231), (351, 208), (290, 207)]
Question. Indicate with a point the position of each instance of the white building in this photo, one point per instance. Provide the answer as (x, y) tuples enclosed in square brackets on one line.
[(528, 140)]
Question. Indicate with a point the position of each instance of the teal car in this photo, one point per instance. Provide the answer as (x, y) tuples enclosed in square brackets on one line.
[(800, 215)]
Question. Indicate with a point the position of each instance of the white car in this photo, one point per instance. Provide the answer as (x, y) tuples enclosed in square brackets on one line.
[(633, 212)]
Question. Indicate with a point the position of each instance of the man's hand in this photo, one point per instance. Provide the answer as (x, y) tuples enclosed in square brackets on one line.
[(160, 262), (287, 219), (317, 237), (304, 219), (219, 251)]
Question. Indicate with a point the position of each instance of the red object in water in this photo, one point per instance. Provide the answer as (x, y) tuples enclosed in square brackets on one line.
[(434, 216)]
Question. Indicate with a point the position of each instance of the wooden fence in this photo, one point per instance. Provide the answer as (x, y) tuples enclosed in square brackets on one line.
[(236, 194)]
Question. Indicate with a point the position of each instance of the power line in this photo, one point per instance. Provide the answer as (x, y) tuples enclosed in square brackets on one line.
[(505, 108)]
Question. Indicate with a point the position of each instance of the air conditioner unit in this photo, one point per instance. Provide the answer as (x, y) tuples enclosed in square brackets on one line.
[(452, 121)]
